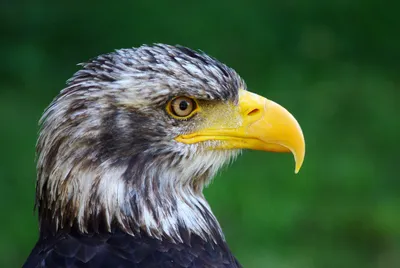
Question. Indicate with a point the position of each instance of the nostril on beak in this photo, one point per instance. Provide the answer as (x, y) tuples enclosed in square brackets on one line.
[(253, 112)]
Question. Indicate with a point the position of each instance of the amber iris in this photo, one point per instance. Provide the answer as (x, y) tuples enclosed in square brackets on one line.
[(182, 106)]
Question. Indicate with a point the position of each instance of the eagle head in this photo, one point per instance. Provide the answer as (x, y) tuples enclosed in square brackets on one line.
[(136, 134)]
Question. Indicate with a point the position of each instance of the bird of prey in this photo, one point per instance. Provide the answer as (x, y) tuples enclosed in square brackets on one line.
[(126, 148)]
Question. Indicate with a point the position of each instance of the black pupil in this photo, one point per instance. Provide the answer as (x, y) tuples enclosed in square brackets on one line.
[(183, 105)]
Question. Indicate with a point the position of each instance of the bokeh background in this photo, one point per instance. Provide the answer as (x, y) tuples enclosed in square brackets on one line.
[(334, 64)]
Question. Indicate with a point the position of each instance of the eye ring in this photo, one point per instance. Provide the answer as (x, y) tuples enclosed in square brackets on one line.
[(182, 107)]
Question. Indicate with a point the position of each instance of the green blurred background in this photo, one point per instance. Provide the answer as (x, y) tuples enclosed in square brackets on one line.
[(334, 64)]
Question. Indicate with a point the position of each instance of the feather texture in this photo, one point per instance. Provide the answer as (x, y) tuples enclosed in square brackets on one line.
[(114, 187), (119, 249)]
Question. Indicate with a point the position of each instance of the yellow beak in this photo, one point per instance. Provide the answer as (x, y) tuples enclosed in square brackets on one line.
[(265, 125)]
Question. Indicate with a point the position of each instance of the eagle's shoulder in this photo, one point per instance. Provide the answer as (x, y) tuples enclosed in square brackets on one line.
[(122, 250)]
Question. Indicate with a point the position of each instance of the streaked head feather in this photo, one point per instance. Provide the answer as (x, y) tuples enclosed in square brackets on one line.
[(106, 152)]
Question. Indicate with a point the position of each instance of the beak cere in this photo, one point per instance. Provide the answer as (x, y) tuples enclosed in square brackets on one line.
[(266, 126)]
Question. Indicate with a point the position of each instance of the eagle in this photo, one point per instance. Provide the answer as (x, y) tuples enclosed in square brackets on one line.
[(126, 148)]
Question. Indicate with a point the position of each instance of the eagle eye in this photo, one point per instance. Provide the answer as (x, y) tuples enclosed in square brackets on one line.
[(182, 107)]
